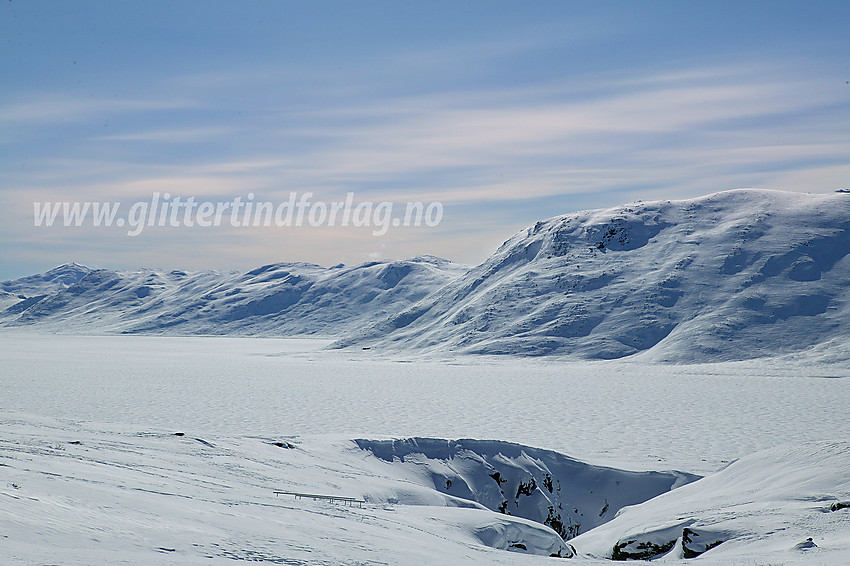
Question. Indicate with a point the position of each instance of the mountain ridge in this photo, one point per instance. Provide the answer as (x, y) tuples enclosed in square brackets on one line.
[(279, 299)]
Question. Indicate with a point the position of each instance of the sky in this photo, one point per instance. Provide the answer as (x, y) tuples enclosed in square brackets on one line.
[(496, 114)]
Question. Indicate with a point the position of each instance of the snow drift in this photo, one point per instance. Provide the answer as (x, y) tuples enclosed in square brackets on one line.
[(76, 494)]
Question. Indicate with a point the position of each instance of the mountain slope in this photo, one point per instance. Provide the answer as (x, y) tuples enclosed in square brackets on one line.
[(273, 300), (733, 275)]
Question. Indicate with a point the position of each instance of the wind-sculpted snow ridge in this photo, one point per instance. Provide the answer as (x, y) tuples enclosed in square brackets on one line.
[(733, 275), (791, 503), (284, 299)]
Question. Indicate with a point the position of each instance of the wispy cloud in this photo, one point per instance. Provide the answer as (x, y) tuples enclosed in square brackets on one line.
[(497, 144), (52, 109), (638, 134), (679, 120), (171, 135)]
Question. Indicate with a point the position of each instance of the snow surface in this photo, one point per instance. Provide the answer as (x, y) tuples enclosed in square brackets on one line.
[(75, 494), (72, 494), (734, 275), (694, 418), (105, 479)]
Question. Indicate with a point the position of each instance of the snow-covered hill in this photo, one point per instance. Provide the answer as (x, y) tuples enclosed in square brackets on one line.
[(791, 502), (56, 279), (273, 300), (733, 275)]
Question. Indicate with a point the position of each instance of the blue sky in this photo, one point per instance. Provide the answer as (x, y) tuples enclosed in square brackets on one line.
[(504, 112)]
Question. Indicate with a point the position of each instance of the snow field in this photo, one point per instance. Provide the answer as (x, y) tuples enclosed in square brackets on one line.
[(105, 479), (629, 415)]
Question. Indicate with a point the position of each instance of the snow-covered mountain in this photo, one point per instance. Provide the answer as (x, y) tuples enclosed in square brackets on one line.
[(26, 291), (56, 279), (733, 275), (273, 300)]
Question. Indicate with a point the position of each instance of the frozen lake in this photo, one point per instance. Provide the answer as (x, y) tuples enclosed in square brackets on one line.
[(627, 414)]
